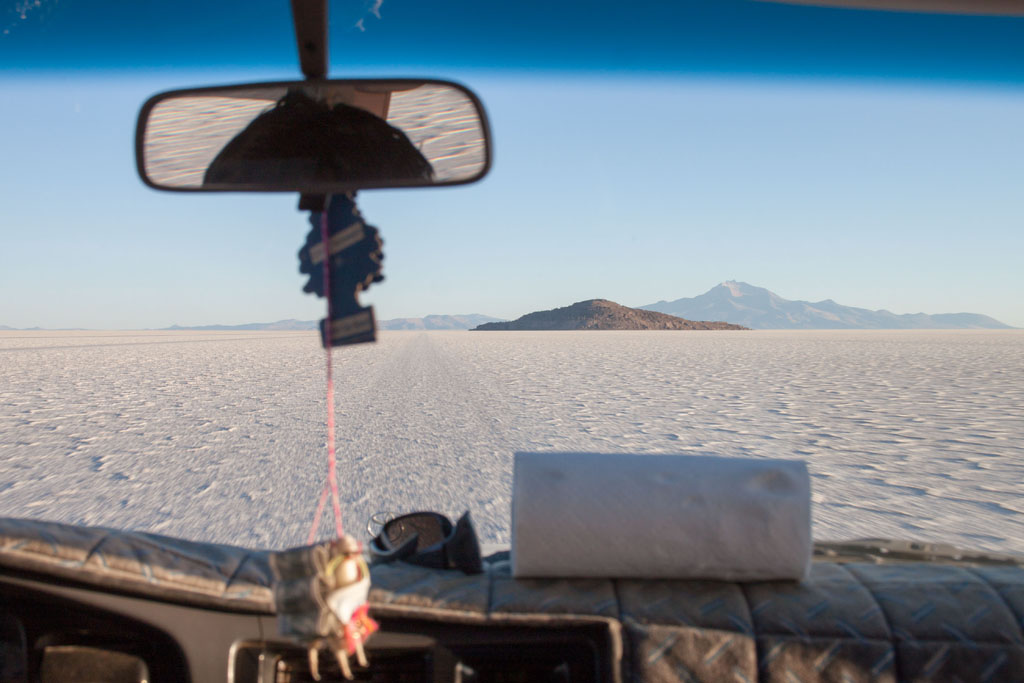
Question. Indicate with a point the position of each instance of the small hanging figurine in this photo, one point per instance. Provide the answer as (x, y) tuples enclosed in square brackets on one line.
[(347, 580), (321, 598)]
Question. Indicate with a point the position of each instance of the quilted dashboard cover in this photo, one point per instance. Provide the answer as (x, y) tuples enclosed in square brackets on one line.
[(201, 574), (848, 622)]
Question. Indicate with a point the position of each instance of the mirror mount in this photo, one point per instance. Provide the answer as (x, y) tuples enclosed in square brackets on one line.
[(312, 202), (310, 19)]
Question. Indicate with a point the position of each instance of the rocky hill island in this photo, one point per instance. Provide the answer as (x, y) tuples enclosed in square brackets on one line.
[(600, 314)]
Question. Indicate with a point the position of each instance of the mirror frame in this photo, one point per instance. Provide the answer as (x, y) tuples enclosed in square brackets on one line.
[(316, 188)]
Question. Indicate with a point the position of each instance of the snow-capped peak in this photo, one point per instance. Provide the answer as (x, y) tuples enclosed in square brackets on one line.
[(733, 287)]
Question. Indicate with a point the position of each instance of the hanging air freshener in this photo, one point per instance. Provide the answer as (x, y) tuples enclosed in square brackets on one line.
[(353, 256)]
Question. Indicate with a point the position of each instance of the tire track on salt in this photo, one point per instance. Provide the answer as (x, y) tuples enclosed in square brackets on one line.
[(423, 435)]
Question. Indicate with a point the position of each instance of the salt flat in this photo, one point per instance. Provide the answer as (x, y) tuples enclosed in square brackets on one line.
[(220, 436)]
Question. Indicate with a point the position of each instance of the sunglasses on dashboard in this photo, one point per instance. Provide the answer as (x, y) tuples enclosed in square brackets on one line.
[(429, 539)]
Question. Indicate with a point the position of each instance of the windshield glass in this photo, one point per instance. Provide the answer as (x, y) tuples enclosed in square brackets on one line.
[(844, 183)]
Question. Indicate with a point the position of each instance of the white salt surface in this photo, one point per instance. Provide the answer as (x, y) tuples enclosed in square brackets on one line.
[(220, 436)]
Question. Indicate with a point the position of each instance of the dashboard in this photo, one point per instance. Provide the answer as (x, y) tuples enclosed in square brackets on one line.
[(62, 632), (91, 604)]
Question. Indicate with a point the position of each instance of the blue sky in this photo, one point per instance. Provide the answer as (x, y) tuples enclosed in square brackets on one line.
[(642, 152)]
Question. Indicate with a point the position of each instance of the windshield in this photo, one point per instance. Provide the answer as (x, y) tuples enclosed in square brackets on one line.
[(847, 184)]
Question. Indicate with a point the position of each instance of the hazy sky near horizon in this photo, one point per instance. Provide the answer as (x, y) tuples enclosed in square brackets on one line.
[(631, 184)]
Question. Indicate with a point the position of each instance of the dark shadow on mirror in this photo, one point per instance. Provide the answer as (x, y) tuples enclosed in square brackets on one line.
[(305, 141)]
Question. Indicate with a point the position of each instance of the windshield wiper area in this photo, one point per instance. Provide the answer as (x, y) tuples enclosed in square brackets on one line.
[(890, 551)]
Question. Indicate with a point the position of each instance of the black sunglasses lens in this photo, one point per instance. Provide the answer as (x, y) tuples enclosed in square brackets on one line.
[(430, 529)]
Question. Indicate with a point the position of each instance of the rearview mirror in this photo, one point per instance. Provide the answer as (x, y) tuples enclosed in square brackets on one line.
[(318, 137)]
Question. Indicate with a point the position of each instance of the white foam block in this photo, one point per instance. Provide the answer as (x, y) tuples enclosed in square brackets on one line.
[(660, 516)]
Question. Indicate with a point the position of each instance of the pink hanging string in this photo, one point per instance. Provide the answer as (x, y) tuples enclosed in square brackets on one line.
[(316, 517), (332, 470)]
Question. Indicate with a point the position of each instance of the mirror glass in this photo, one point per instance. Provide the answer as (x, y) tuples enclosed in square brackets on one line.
[(313, 136)]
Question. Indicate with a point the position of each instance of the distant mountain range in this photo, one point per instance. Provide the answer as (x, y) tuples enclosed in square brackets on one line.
[(601, 314), (431, 322), (282, 325), (6, 328), (438, 322), (732, 302), (759, 308)]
